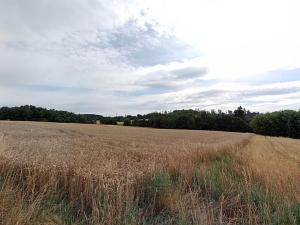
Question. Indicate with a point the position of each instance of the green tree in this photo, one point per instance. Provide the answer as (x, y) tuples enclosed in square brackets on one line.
[(240, 112)]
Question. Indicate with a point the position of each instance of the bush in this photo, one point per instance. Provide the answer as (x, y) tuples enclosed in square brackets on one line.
[(283, 123)]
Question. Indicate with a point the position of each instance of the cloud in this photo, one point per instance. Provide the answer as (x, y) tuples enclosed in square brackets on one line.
[(274, 96), (55, 18), (189, 72), (173, 79), (138, 56), (143, 45), (275, 76), (49, 88)]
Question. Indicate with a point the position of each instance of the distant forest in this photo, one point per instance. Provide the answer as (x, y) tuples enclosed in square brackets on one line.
[(282, 123)]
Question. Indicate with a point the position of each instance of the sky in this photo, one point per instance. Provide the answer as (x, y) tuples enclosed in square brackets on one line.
[(118, 57)]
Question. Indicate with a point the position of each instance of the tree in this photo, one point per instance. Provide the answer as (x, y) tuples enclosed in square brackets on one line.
[(283, 123), (240, 112)]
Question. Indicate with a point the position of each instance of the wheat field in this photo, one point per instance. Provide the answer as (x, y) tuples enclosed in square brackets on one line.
[(109, 151), (54, 173)]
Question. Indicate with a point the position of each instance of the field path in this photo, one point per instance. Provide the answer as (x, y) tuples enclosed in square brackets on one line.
[(276, 160)]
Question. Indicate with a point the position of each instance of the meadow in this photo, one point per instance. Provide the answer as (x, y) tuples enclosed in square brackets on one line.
[(57, 173)]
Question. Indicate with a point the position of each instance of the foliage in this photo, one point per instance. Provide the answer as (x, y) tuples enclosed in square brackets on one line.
[(33, 113), (195, 119), (283, 123)]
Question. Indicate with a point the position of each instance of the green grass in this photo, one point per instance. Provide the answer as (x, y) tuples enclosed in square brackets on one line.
[(224, 179), (221, 183), (218, 183), (55, 207)]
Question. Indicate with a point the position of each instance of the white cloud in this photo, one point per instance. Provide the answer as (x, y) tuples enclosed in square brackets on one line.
[(122, 56), (238, 38)]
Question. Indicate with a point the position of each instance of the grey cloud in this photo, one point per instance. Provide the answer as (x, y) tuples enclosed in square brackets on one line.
[(190, 72), (174, 79), (53, 17), (218, 98), (144, 46), (66, 46), (49, 88), (268, 91), (275, 76), (76, 100), (83, 56), (206, 94), (245, 94), (62, 64), (250, 97)]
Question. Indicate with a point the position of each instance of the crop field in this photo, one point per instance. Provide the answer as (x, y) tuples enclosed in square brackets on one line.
[(55, 173), (108, 151)]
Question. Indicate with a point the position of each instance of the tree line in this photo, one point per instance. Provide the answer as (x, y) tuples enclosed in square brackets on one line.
[(33, 113), (236, 121), (282, 123)]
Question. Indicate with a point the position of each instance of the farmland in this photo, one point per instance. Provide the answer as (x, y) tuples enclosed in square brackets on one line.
[(55, 173)]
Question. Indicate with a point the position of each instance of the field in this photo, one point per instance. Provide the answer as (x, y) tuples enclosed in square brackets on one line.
[(53, 173)]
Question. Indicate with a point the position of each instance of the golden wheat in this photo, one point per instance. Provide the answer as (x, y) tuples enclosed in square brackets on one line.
[(86, 163), (108, 152)]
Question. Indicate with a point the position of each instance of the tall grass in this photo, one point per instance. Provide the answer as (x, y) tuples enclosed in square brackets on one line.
[(214, 190), (70, 197), (208, 186)]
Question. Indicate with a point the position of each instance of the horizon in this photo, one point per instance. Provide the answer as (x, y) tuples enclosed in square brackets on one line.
[(137, 57), (159, 111)]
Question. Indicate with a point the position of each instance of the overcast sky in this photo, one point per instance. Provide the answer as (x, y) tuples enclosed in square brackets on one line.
[(132, 56)]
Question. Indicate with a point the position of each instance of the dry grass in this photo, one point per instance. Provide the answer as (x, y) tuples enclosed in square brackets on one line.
[(109, 152), (91, 174), (276, 161)]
